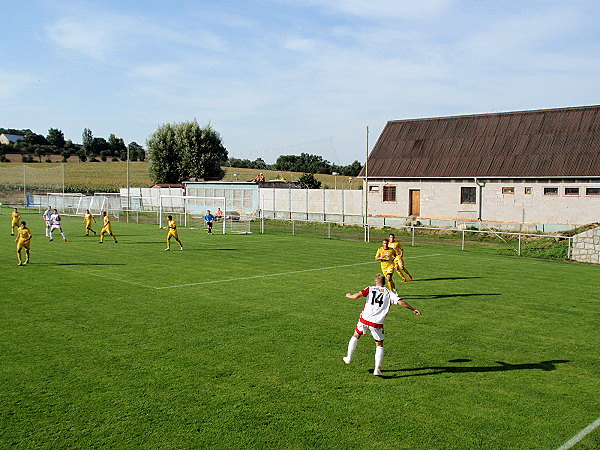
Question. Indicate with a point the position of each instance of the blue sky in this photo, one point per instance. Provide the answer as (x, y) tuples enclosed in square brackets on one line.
[(288, 76)]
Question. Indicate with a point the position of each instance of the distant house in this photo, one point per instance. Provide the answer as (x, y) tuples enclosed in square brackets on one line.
[(525, 167), (10, 138)]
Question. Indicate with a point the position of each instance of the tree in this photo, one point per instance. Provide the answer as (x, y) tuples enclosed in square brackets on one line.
[(35, 139), (308, 181), (136, 151), (164, 159), (87, 138), (56, 138), (183, 151), (116, 147), (304, 163)]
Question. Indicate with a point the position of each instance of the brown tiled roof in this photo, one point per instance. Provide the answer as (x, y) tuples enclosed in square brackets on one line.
[(561, 142)]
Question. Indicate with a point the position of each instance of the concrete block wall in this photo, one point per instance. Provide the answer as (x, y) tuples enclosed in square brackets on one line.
[(586, 246)]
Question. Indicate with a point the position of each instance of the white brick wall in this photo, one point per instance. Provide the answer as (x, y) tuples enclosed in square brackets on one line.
[(441, 200)]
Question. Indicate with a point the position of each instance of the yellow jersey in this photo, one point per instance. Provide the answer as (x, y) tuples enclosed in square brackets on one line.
[(88, 218), (24, 237), (388, 255), (397, 247), (106, 221), (172, 228), (15, 216)]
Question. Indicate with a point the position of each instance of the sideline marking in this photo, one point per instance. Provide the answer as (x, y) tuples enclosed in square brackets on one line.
[(579, 436), (277, 274)]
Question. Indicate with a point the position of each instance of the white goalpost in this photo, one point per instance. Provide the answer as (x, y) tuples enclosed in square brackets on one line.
[(191, 210)]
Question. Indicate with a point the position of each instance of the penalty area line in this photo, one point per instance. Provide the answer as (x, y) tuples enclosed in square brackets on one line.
[(579, 436), (275, 274)]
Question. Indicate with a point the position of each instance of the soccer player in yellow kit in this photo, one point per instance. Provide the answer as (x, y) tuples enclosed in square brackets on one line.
[(87, 219), (23, 241), (399, 261), (386, 255), (15, 218), (106, 228), (172, 233)]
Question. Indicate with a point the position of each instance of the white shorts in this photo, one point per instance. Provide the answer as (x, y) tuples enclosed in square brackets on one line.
[(377, 333), (55, 227), (47, 223)]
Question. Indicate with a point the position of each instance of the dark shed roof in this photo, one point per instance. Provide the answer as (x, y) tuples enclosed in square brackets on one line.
[(561, 142)]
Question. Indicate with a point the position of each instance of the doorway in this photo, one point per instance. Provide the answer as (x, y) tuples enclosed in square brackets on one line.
[(414, 202)]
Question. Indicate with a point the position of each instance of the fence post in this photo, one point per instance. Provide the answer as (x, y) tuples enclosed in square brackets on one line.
[(413, 235), (328, 230), (569, 248), (463, 240), (519, 244), (293, 228)]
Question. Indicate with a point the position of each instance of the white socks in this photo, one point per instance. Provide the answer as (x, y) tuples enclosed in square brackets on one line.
[(378, 358), (351, 347)]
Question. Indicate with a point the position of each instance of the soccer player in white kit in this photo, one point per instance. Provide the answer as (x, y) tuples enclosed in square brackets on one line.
[(377, 305), (46, 217), (55, 225)]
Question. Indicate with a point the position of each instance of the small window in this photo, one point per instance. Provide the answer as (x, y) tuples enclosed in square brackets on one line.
[(389, 193), (571, 191), (468, 195), (592, 191), (528, 190), (508, 190), (373, 188), (550, 191)]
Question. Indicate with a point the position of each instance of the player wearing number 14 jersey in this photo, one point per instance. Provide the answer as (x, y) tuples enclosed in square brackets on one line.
[(378, 301)]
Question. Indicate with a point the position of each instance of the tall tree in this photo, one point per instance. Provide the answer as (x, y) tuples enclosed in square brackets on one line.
[(164, 158), (185, 150), (56, 137)]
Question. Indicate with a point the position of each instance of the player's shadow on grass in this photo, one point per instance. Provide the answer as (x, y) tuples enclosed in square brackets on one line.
[(442, 279), (501, 367), (436, 296)]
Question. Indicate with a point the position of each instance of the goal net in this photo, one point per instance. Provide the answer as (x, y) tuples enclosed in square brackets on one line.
[(189, 211), (238, 223), (66, 204), (100, 201)]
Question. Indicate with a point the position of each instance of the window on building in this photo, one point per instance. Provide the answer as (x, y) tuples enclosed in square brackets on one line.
[(550, 191), (508, 190), (373, 188), (389, 193), (528, 190), (592, 191), (571, 191), (468, 195)]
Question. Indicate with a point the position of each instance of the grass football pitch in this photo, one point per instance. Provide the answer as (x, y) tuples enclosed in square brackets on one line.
[(237, 342)]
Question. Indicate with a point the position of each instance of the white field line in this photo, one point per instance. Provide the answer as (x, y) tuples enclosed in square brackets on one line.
[(109, 278), (277, 274), (135, 283), (579, 436)]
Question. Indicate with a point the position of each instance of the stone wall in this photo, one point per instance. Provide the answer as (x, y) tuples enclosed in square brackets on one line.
[(586, 246)]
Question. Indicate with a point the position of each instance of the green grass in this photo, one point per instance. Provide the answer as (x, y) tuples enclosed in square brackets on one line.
[(100, 348)]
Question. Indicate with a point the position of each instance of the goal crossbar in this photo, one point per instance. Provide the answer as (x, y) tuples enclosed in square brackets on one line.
[(179, 204)]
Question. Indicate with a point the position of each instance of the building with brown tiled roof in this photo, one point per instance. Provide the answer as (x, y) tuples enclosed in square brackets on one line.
[(535, 167)]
